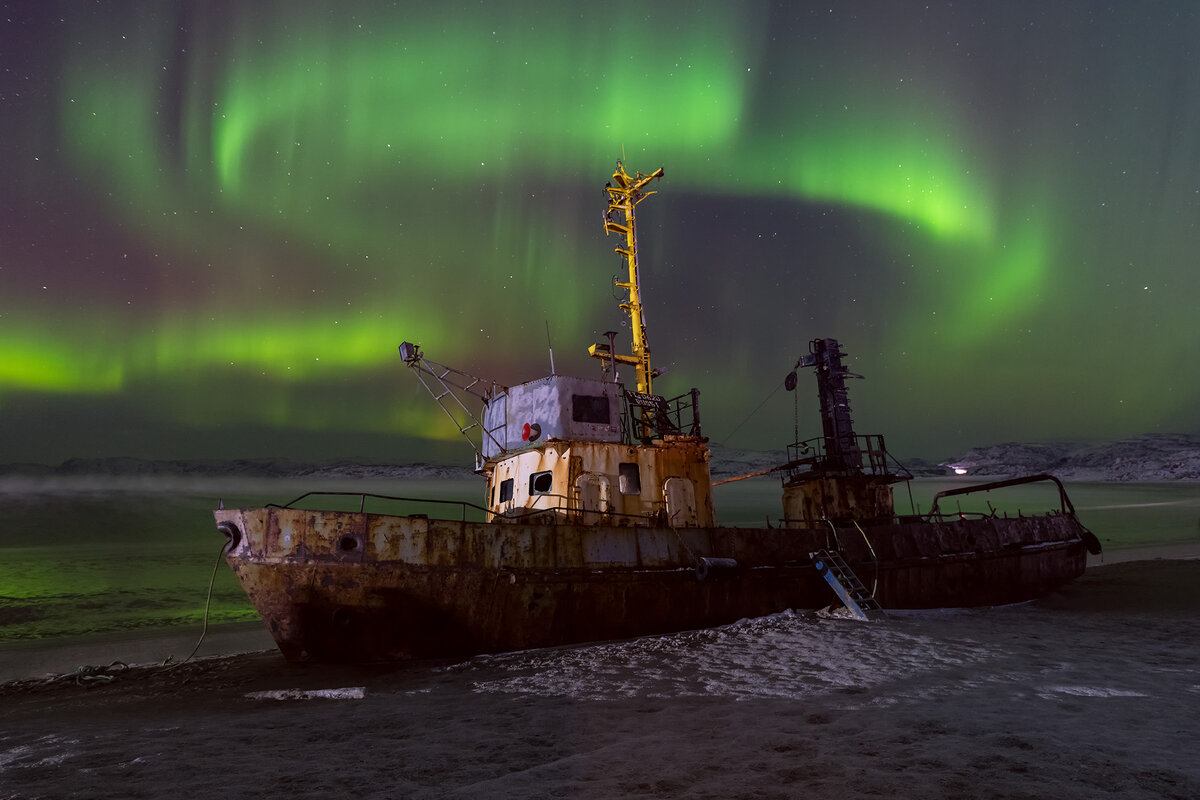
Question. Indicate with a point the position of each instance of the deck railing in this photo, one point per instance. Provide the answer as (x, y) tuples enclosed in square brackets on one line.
[(871, 457), (548, 515), (651, 416)]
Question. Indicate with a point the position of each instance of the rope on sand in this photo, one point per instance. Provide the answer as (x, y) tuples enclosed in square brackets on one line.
[(102, 674), (86, 675)]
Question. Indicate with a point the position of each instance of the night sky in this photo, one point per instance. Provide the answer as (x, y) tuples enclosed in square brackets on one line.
[(218, 219)]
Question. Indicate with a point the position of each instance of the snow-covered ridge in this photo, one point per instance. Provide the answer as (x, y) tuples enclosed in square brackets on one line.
[(245, 468), (1149, 458), (730, 463)]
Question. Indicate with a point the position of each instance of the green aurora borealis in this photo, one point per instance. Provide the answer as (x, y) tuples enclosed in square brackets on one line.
[(221, 218)]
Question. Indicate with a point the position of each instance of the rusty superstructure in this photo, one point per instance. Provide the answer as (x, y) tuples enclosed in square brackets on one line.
[(598, 521)]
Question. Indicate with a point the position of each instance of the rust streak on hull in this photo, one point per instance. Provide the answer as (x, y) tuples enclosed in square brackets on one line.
[(405, 587)]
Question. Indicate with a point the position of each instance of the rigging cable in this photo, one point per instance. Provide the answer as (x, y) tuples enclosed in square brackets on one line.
[(752, 413), (795, 416)]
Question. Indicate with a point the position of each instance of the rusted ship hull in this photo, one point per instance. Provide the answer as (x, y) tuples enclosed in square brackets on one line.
[(336, 586)]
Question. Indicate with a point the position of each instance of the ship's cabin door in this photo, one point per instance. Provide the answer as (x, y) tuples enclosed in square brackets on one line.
[(592, 490), (680, 496)]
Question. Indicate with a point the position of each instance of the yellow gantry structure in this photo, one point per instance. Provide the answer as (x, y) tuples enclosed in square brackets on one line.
[(624, 193)]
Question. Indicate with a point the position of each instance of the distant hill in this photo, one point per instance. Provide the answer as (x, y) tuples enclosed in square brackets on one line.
[(1147, 458), (1150, 457), (730, 463), (248, 468)]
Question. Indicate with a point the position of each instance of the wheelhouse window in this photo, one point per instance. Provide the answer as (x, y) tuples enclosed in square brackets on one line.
[(506, 490), (540, 483), (629, 478), (590, 408)]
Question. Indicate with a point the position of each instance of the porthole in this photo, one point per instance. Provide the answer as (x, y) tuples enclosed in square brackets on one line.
[(541, 482)]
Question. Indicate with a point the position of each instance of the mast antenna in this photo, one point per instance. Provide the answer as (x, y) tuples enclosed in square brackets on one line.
[(624, 193)]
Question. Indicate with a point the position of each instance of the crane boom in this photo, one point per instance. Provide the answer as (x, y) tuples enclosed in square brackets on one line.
[(453, 383)]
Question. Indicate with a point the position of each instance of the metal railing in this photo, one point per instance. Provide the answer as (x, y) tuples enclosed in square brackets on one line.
[(873, 458), (362, 504), (1065, 505), (554, 515), (650, 416)]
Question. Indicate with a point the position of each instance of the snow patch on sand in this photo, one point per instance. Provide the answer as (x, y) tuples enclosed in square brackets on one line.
[(347, 693), (780, 656), (1049, 692)]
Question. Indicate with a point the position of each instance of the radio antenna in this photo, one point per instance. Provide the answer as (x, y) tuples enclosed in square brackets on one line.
[(550, 346)]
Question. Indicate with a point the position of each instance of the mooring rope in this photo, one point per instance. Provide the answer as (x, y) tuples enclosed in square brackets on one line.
[(103, 673), (84, 675), (207, 603)]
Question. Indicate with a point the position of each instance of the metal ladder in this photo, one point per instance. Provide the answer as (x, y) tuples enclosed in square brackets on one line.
[(849, 589)]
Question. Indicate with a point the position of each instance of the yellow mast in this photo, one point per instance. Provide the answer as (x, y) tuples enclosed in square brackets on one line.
[(624, 193)]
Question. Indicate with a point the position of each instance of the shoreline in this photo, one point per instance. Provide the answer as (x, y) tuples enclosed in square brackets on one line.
[(1077, 695), (39, 658), (1175, 551), (25, 660)]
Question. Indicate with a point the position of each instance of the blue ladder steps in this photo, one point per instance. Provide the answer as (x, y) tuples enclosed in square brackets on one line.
[(849, 589)]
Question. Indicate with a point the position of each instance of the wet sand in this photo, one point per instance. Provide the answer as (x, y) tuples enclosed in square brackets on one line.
[(1092, 692), (39, 659)]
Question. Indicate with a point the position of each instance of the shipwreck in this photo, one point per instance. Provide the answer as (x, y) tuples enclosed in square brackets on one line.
[(597, 521)]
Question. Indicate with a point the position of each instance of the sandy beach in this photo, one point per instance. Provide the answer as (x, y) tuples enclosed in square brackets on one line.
[(1092, 692)]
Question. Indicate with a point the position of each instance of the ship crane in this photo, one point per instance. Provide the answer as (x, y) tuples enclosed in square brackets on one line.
[(842, 449), (453, 384)]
